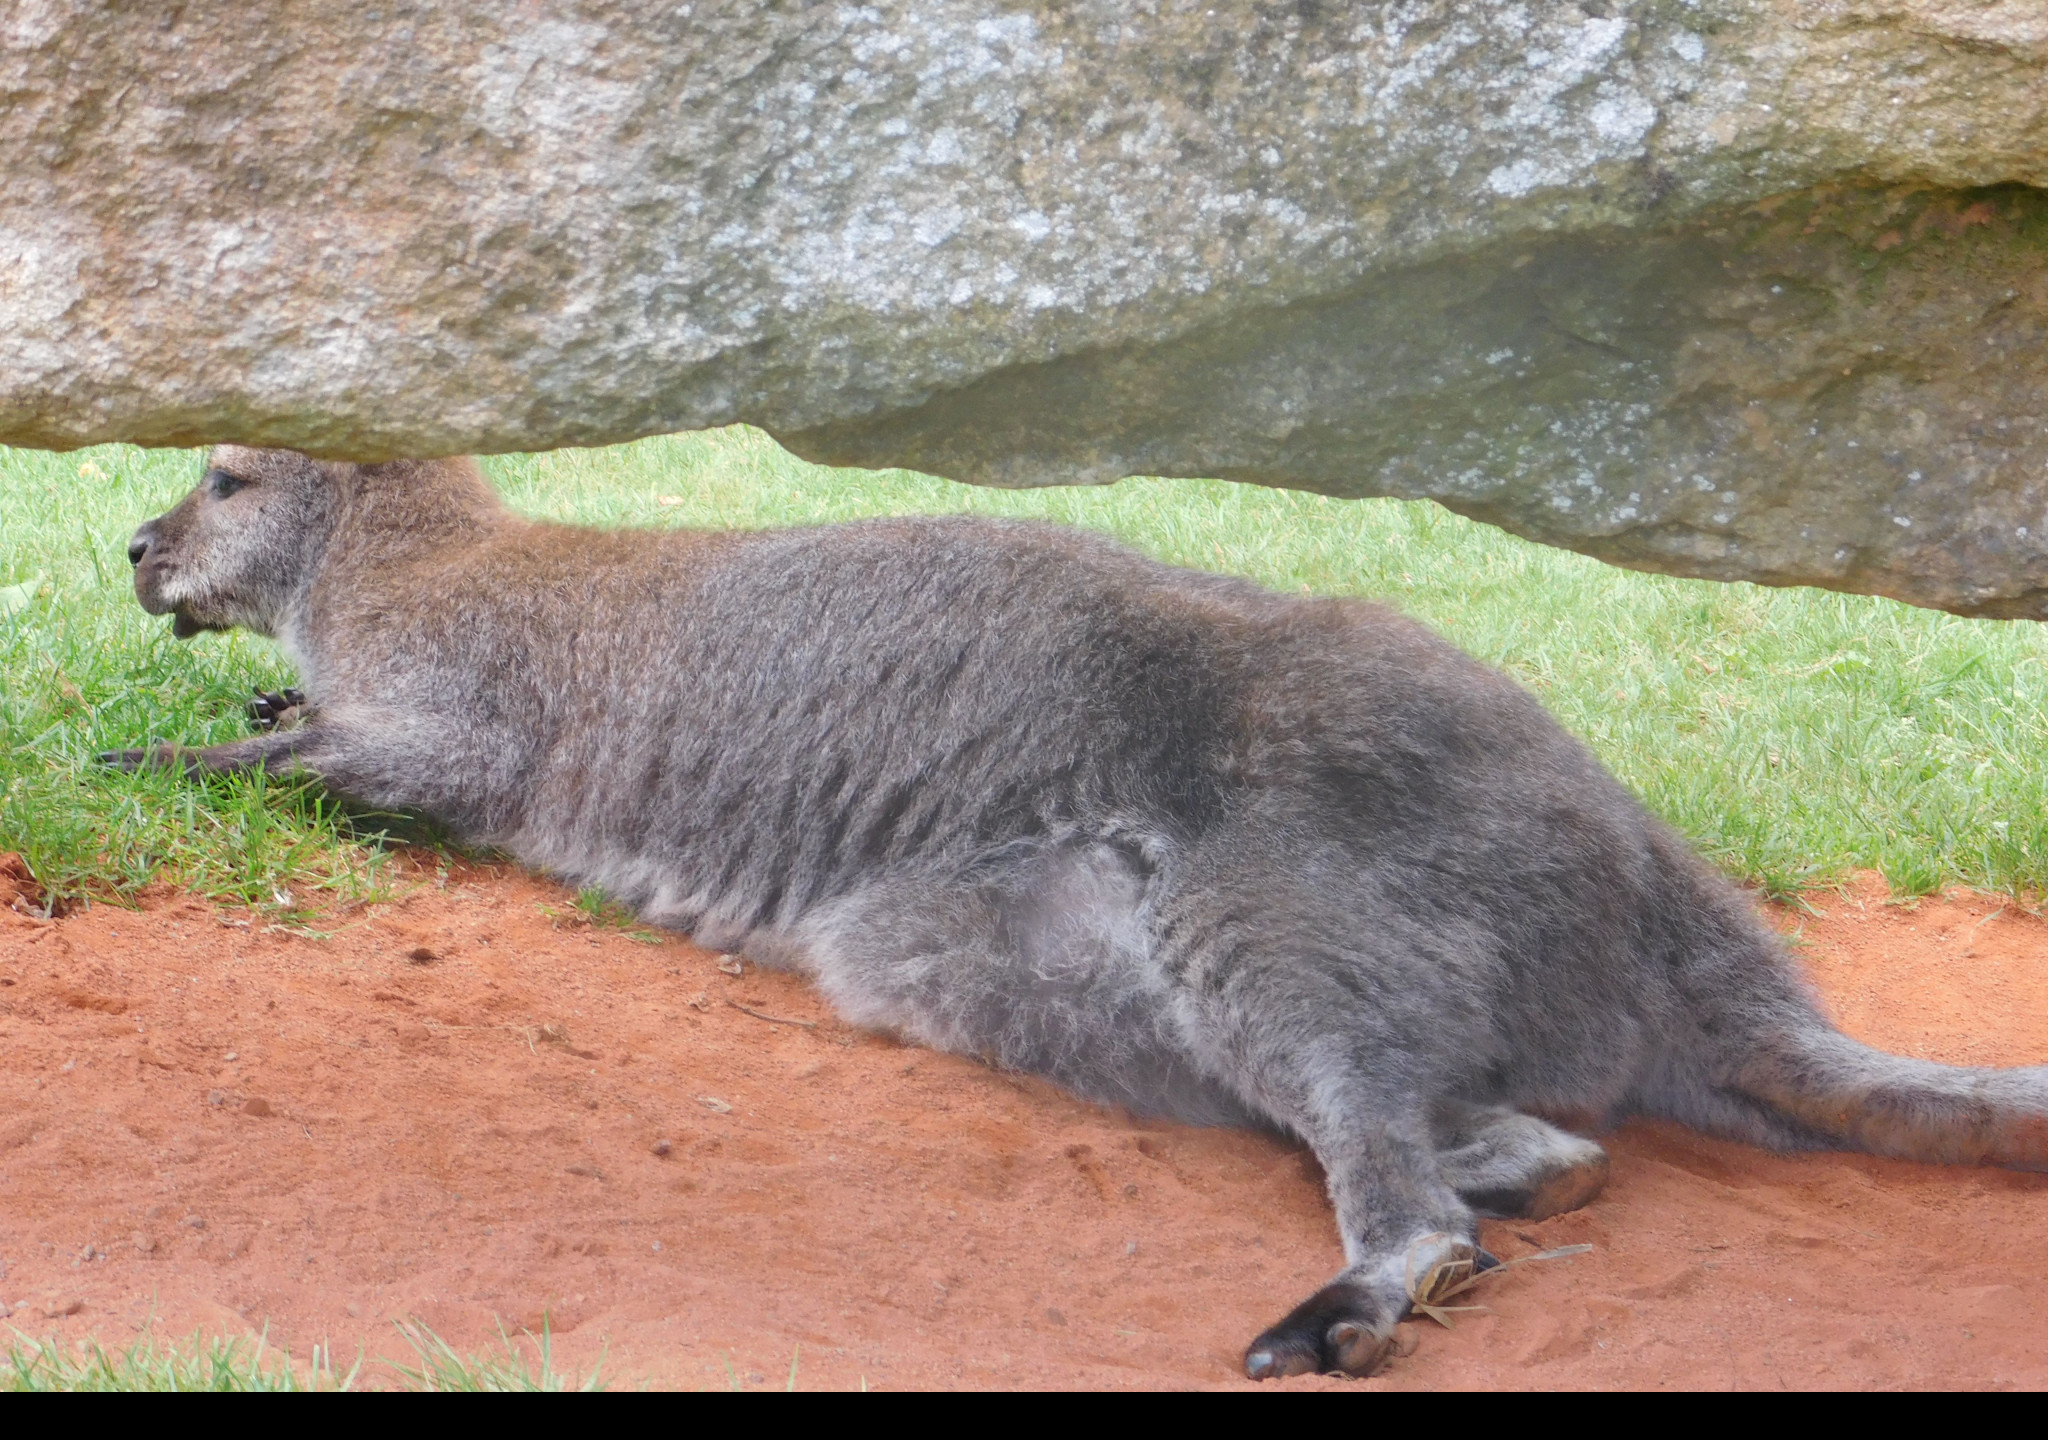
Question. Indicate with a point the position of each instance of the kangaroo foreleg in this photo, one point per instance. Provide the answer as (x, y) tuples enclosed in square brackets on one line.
[(386, 759), (279, 751)]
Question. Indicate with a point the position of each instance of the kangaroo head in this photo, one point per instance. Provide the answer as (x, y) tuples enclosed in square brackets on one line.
[(241, 545), (244, 547)]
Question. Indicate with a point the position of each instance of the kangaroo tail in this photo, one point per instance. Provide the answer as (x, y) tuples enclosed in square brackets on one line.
[(1842, 1092)]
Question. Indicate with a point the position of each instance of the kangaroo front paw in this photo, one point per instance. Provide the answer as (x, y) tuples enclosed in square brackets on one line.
[(277, 709), (1342, 1329)]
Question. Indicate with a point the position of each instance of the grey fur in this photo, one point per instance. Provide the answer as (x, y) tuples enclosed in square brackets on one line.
[(1172, 839)]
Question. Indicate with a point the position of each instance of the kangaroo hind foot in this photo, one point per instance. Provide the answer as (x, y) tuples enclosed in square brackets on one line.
[(1511, 1166), (1348, 1326)]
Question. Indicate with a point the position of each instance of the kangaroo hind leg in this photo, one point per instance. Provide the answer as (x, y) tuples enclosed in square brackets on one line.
[(1409, 1183), (1315, 1051), (1511, 1166), (1399, 1219)]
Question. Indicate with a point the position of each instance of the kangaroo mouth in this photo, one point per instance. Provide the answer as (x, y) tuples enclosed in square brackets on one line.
[(184, 627), (150, 587)]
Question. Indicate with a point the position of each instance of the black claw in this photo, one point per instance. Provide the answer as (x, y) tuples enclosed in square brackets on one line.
[(1339, 1330), (272, 709)]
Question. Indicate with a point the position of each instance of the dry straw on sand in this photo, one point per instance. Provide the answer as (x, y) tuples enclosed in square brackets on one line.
[(1457, 1272)]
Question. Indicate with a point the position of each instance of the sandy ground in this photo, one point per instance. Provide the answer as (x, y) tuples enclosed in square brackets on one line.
[(471, 1106)]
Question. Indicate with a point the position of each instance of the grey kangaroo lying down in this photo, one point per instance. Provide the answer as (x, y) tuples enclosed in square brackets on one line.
[(1173, 840)]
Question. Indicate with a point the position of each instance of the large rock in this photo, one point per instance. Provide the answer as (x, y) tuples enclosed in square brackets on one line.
[(1741, 288)]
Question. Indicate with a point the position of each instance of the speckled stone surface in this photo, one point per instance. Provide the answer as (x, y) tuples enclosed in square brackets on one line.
[(1735, 287)]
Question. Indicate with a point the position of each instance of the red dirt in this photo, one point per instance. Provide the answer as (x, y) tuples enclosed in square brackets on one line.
[(453, 1108)]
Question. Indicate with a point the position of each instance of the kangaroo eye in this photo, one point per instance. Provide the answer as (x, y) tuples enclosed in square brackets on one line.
[(220, 484)]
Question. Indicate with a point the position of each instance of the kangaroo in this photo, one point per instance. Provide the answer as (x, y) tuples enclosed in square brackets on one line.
[(1171, 839)]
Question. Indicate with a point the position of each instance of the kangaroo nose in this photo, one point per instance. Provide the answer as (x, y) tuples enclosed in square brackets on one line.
[(139, 546)]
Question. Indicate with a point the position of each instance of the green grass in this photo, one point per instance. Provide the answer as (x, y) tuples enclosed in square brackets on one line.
[(215, 1363), (205, 1363), (441, 1367), (1793, 734)]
